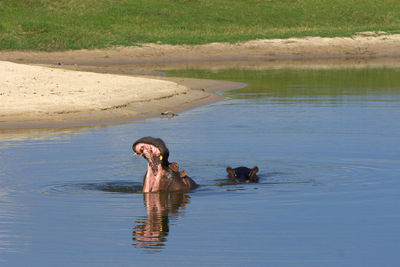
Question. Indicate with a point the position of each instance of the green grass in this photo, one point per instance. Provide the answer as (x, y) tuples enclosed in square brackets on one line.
[(75, 24)]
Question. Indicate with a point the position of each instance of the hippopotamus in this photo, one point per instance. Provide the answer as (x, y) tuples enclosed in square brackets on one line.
[(243, 174), (161, 175)]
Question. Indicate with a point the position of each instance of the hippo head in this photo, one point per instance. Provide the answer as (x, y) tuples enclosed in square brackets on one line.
[(243, 174), (153, 150), (156, 153)]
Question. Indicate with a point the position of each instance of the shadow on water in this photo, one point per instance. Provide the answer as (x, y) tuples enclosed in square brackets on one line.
[(94, 187), (114, 187)]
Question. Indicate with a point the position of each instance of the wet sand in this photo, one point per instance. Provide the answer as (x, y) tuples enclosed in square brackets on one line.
[(120, 84)]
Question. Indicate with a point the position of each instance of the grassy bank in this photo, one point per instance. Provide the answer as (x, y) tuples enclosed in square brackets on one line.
[(76, 24)]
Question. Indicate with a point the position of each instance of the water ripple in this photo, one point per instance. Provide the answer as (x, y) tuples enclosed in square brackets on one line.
[(93, 188)]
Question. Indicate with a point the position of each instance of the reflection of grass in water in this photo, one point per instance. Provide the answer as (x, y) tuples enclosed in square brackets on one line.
[(288, 83)]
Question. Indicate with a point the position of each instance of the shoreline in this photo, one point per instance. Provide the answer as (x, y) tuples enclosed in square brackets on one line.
[(365, 45), (143, 62), (106, 103)]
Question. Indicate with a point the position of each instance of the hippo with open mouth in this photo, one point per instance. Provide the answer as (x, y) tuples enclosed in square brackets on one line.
[(161, 175)]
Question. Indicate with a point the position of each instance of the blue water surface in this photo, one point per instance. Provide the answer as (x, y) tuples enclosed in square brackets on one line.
[(326, 143)]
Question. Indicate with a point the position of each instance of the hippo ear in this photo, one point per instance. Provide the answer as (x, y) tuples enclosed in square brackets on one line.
[(230, 172), (174, 166), (253, 172)]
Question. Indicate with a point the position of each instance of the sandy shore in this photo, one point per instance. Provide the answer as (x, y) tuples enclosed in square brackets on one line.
[(104, 86), (37, 96), (40, 90)]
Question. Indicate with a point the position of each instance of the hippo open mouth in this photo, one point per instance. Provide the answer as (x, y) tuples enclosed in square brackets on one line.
[(152, 154), (161, 175), (156, 153)]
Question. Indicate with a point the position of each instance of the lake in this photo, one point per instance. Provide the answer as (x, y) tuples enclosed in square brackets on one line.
[(326, 142)]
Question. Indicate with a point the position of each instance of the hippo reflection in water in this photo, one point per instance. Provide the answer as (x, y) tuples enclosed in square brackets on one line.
[(151, 231), (161, 175)]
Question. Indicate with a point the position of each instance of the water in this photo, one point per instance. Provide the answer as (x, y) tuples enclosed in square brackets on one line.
[(325, 141)]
